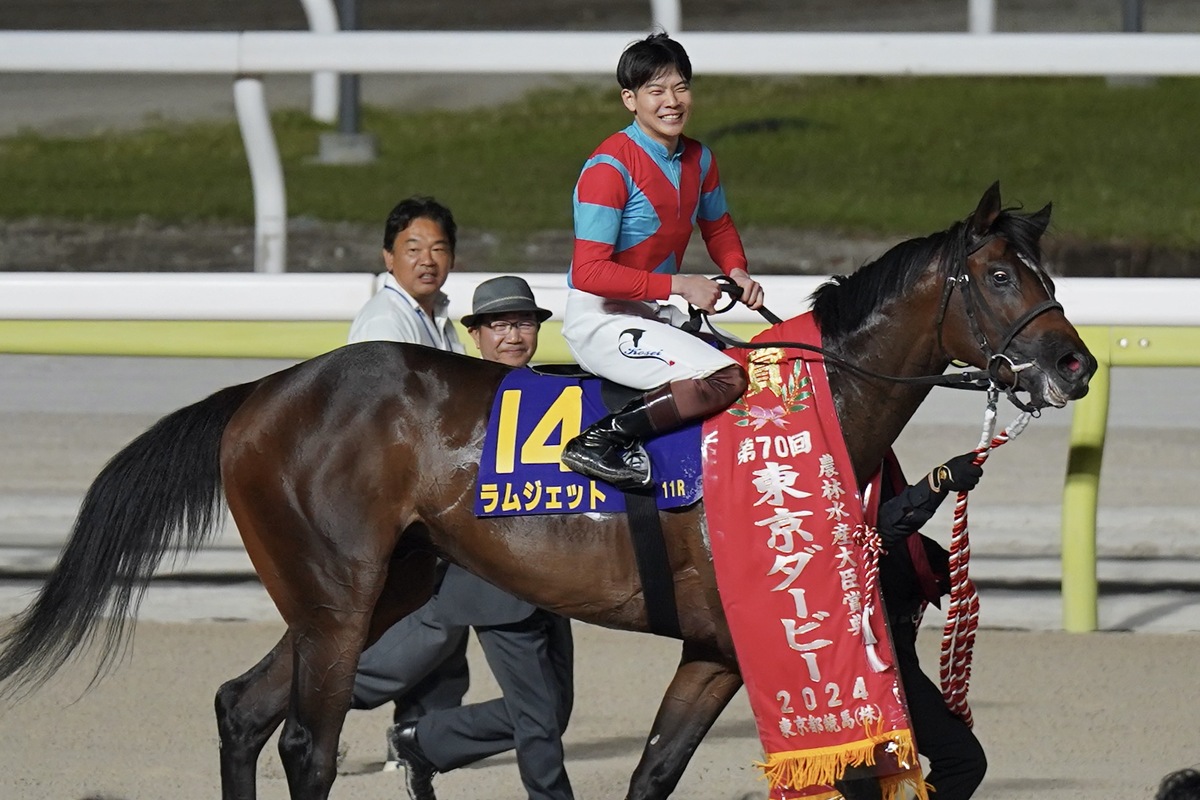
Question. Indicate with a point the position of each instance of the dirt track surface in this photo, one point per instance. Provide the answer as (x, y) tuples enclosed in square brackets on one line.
[(1071, 717)]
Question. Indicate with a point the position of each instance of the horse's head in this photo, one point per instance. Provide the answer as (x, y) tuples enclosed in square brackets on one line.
[(998, 310)]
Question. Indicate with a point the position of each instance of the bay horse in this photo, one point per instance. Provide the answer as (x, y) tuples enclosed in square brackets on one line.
[(350, 473)]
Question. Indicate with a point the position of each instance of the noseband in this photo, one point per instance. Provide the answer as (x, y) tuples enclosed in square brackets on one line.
[(998, 357)]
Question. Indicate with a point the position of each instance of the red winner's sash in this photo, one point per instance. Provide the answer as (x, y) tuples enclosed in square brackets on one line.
[(796, 560)]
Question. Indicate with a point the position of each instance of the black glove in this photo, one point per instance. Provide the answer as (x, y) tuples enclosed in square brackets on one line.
[(905, 513), (959, 474)]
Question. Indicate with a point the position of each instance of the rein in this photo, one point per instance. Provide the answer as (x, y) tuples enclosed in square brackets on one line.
[(975, 379)]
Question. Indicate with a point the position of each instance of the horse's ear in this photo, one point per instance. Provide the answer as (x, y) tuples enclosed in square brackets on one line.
[(1041, 219), (986, 212)]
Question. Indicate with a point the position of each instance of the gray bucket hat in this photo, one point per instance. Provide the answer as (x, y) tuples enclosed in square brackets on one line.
[(500, 296)]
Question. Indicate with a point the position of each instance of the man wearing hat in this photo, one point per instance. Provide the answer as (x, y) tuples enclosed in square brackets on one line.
[(504, 320), (529, 650)]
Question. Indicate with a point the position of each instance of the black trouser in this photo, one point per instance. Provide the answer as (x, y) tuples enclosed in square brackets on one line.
[(533, 661), (956, 759), (420, 662)]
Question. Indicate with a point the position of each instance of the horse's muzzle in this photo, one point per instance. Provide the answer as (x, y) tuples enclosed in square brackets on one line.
[(1066, 380)]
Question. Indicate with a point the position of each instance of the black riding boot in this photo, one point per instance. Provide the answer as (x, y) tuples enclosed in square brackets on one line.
[(611, 450)]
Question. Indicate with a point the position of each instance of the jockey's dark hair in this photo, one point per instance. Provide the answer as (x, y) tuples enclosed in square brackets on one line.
[(843, 304), (419, 207), (646, 59)]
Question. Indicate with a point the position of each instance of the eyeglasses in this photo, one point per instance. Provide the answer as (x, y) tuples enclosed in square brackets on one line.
[(502, 327)]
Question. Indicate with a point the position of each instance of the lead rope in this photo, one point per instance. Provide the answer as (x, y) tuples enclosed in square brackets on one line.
[(962, 614)]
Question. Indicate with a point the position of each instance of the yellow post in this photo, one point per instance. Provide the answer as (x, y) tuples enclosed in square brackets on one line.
[(1080, 592)]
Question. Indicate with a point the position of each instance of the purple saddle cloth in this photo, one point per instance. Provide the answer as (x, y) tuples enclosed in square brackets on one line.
[(532, 417)]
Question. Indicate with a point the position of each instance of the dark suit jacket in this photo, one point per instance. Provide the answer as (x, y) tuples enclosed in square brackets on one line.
[(464, 599)]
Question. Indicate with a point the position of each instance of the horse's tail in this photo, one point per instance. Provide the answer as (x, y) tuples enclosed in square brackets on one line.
[(162, 491)]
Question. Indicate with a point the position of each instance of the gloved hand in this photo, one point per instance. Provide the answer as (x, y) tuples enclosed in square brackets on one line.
[(905, 513), (959, 474)]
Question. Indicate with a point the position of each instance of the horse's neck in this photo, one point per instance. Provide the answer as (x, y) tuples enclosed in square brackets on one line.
[(873, 412)]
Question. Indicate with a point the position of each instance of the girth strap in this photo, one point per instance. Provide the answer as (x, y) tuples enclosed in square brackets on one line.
[(654, 567)]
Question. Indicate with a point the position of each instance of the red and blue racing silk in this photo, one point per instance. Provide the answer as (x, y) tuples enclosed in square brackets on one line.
[(635, 208)]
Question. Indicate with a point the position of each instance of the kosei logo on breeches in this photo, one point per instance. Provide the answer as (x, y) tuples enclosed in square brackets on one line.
[(628, 345)]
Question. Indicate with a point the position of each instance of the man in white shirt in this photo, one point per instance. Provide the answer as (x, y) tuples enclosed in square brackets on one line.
[(418, 251)]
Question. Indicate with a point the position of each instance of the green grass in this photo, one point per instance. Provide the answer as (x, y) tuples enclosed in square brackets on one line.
[(879, 156)]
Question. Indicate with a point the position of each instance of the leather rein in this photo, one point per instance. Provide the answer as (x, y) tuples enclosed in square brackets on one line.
[(976, 379)]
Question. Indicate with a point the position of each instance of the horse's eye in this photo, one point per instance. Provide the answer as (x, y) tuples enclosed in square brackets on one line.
[(1001, 277)]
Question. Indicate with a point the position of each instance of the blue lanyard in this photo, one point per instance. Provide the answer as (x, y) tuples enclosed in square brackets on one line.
[(438, 341)]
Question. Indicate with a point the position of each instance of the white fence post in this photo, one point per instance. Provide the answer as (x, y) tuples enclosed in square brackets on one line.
[(266, 175), (667, 15), (322, 18), (981, 16)]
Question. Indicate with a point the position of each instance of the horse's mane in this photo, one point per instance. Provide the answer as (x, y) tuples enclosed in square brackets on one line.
[(844, 303)]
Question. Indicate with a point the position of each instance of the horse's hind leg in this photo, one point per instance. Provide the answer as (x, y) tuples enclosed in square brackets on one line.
[(325, 660), (700, 690), (249, 709)]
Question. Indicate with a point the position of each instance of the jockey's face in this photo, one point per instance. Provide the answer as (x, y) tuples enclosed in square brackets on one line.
[(510, 338), (661, 107), (420, 260)]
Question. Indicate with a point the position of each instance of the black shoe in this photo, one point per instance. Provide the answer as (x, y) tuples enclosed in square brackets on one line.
[(401, 714), (418, 770), (602, 453), (391, 761)]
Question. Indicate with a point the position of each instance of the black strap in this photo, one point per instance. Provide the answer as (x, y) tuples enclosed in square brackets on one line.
[(654, 567)]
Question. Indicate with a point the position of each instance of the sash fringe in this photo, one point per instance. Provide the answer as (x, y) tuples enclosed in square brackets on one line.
[(893, 786), (799, 769)]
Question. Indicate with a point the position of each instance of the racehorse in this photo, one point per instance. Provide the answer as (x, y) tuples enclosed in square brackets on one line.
[(350, 473)]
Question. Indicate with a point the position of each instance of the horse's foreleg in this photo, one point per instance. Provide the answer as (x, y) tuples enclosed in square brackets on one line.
[(249, 709), (698, 693)]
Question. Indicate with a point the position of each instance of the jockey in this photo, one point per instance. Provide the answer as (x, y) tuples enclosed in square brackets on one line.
[(635, 204)]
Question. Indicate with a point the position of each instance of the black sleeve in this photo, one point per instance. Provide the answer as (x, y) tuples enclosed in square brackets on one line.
[(907, 512)]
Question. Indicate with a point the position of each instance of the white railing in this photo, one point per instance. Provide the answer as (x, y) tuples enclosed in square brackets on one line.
[(1169, 302), (571, 52), (247, 55)]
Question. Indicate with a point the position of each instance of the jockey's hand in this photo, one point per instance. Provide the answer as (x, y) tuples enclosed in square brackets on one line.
[(752, 291), (959, 474), (698, 290)]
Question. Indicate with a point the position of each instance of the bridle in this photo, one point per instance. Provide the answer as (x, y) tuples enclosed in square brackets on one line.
[(999, 357), (976, 379)]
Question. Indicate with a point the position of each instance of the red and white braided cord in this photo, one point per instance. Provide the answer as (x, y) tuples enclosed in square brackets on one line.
[(868, 538), (962, 613)]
